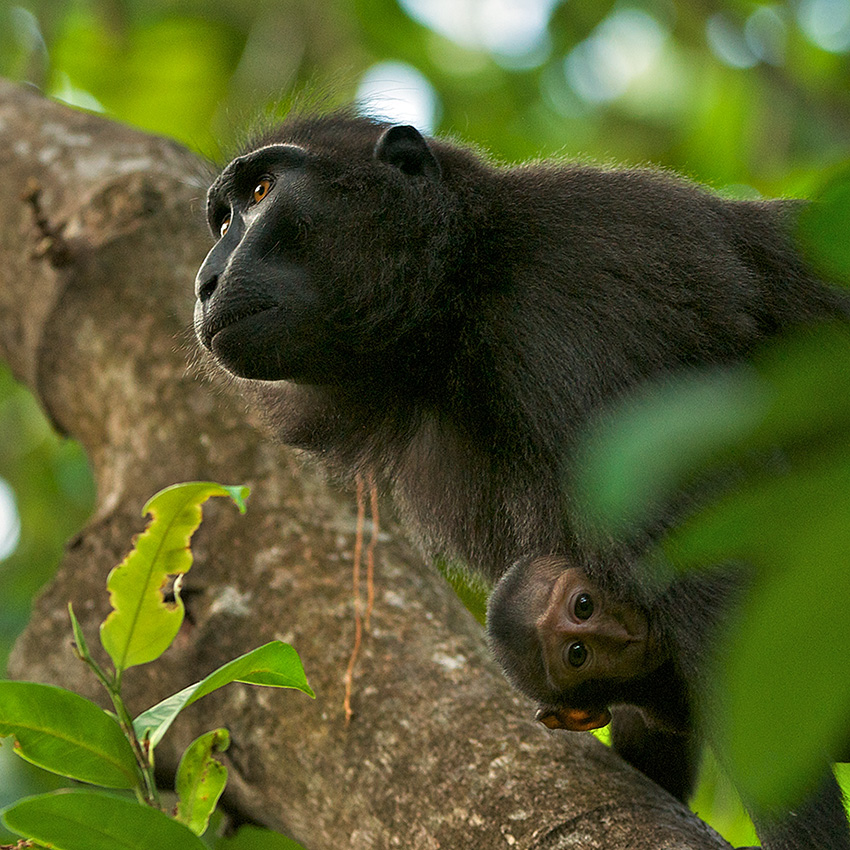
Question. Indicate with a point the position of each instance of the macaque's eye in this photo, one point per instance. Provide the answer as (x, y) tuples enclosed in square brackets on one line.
[(576, 654), (225, 226), (584, 606), (261, 190)]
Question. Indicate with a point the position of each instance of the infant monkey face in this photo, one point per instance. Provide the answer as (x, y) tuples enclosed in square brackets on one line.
[(586, 645), (583, 633)]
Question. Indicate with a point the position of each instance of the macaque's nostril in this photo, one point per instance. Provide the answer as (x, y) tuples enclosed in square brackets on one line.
[(206, 289)]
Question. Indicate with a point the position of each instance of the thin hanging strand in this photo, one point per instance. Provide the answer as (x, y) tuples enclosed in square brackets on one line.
[(370, 552), (355, 578)]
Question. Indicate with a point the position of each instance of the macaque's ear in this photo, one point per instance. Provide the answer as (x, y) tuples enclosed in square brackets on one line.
[(404, 147), (573, 719)]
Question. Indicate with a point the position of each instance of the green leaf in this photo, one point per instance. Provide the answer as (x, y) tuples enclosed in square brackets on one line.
[(783, 693), (66, 734), (654, 441), (275, 665), (809, 385), (255, 838), (201, 779), (79, 637), (784, 702), (823, 228), (142, 625), (796, 396), (469, 588), (88, 820)]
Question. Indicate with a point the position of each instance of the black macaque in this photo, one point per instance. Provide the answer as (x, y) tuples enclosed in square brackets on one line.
[(403, 308)]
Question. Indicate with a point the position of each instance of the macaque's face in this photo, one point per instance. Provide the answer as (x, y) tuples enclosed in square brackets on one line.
[(584, 636)]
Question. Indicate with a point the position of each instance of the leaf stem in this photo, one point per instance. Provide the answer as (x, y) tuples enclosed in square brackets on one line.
[(146, 789), (149, 793)]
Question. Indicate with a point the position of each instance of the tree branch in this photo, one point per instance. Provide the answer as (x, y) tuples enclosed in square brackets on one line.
[(100, 238)]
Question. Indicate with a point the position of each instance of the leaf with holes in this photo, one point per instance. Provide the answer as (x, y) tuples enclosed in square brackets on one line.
[(142, 624), (200, 779)]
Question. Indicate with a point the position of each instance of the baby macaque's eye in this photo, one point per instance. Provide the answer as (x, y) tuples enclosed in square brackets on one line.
[(576, 654), (584, 606)]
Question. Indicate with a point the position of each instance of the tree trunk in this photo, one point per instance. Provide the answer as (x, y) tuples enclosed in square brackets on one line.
[(101, 233)]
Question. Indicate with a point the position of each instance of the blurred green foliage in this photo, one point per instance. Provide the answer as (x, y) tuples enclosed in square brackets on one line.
[(748, 97), (53, 492), (781, 427)]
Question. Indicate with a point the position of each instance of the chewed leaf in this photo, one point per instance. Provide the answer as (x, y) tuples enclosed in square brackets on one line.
[(142, 624), (200, 779), (274, 665), (66, 734)]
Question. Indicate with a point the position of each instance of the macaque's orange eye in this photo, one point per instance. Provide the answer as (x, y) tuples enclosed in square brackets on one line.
[(576, 654), (225, 226), (261, 190), (584, 606)]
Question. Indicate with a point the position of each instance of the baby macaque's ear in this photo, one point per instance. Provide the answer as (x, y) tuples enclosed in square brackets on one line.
[(573, 719)]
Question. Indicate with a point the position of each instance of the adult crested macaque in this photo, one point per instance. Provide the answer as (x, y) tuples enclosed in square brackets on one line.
[(403, 308)]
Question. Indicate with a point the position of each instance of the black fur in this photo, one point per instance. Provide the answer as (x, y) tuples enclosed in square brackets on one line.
[(450, 326)]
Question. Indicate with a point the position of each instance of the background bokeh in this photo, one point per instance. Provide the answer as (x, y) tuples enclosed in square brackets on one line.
[(751, 98)]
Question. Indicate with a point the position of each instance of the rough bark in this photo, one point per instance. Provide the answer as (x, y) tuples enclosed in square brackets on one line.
[(100, 237)]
